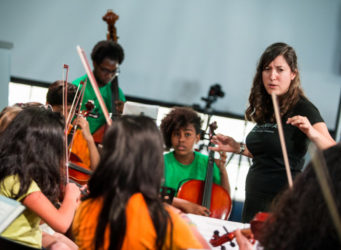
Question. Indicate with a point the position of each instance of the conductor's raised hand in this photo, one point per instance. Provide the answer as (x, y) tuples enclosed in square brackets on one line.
[(317, 133), (303, 124)]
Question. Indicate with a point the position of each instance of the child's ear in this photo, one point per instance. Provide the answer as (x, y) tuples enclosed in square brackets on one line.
[(197, 138)]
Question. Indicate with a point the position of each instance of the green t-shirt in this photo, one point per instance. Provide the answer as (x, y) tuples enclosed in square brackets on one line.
[(25, 228), (89, 94), (176, 173)]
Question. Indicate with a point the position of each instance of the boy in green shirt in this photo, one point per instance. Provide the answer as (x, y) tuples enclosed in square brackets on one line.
[(106, 57)]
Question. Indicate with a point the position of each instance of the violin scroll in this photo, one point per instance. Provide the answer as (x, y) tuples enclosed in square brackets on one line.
[(89, 107), (220, 240)]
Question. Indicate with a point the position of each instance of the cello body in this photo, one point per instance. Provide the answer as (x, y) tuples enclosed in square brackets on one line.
[(80, 151), (221, 203), (79, 173)]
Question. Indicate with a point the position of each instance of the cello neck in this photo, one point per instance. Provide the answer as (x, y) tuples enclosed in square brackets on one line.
[(206, 199)]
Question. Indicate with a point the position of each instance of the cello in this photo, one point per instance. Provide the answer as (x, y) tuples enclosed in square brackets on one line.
[(206, 193), (79, 153)]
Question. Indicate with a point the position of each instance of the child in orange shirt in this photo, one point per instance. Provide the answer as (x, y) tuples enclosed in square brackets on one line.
[(123, 209)]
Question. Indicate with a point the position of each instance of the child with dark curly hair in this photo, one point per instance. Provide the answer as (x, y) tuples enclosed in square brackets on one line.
[(83, 143), (181, 130), (106, 57)]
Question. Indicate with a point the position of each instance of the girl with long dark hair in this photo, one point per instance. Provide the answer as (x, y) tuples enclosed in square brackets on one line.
[(31, 156), (123, 209)]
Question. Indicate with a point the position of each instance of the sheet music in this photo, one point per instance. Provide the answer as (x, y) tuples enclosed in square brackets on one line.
[(10, 209), (206, 226), (134, 108)]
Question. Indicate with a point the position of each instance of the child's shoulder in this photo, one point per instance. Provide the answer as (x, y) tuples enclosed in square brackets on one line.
[(10, 187), (168, 155)]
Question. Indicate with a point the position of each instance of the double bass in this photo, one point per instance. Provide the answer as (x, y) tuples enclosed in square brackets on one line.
[(110, 18), (79, 164), (206, 193)]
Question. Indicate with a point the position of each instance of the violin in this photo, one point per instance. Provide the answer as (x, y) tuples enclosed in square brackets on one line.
[(253, 232), (206, 193)]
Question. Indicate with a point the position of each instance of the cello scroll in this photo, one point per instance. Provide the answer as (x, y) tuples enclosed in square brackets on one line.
[(110, 18)]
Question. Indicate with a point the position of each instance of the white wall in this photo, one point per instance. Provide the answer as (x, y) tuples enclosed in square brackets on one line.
[(5, 72), (176, 49)]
